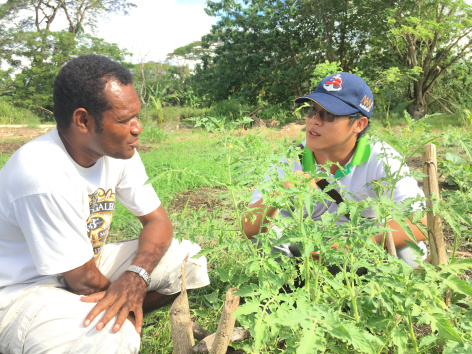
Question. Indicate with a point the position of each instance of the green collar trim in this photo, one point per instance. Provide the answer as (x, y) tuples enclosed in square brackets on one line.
[(361, 155), (308, 160)]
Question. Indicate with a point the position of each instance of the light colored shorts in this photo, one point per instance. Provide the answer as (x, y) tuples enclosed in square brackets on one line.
[(45, 317)]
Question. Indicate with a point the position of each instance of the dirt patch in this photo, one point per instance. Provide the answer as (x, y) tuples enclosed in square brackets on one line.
[(206, 197), (22, 133), (415, 163), (13, 137), (143, 148), (9, 147)]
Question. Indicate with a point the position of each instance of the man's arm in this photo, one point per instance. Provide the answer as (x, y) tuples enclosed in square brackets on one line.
[(253, 228), (400, 236), (86, 279), (127, 293)]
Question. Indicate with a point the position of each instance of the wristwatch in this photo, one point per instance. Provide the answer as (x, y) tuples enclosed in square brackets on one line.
[(141, 272)]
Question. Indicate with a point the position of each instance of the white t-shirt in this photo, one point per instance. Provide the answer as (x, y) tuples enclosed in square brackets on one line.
[(364, 167), (55, 215)]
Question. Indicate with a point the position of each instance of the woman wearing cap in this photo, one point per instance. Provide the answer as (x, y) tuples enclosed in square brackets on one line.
[(336, 122)]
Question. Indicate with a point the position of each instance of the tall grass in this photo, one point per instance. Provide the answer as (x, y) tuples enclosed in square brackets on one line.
[(172, 114), (10, 114)]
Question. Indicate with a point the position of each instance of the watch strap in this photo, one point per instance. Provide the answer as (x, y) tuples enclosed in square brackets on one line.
[(141, 272)]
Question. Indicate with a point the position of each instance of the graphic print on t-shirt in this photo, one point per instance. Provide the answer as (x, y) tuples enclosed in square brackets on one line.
[(102, 206)]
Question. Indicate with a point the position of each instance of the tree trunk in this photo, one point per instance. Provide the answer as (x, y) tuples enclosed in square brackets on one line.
[(418, 108)]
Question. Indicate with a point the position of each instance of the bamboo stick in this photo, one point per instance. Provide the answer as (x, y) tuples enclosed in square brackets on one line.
[(391, 249), (431, 188), (226, 325), (180, 323)]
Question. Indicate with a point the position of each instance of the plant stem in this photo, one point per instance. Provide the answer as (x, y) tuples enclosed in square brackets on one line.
[(454, 247), (351, 292), (412, 333), (389, 335)]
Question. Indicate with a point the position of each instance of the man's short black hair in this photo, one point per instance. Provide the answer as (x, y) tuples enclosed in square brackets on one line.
[(81, 83)]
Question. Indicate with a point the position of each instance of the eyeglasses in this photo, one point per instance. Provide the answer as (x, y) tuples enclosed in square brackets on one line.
[(326, 116)]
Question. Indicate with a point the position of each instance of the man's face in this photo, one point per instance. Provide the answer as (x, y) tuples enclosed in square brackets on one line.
[(329, 137), (120, 124)]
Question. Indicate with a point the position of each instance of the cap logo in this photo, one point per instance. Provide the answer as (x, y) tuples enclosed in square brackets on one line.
[(335, 84), (366, 103)]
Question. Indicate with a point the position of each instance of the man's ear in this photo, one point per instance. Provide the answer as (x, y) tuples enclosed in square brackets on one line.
[(360, 124), (82, 120)]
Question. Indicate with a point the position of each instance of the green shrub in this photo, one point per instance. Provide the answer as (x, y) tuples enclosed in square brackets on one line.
[(152, 134), (231, 108), (171, 113), (279, 112), (10, 114)]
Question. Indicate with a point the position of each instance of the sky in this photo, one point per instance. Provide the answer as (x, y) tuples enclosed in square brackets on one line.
[(157, 27), (154, 28)]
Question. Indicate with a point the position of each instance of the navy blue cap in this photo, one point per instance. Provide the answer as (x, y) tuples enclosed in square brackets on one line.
[(342, 94)]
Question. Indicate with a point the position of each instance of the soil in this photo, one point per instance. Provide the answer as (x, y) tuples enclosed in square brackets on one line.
[(193, 200), (13, 137)]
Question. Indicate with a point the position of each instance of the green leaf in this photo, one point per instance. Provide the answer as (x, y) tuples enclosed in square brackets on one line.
[(248, 290), (247, 309), (457, 267), (455, 158), (400, 339), (458, 285), (441, 323), (312, 340), (260, 331)]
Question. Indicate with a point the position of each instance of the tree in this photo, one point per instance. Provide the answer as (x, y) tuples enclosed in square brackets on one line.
[(269, 48), (160, 80), (431, 35), (46, 52), (40, 14), (191, 53), (77, 11), (36, 53)]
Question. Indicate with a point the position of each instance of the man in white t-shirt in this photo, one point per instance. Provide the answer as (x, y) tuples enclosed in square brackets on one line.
[(62, 289), (337, 120)]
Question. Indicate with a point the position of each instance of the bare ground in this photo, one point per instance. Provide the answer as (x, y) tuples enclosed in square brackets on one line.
[(13, 137)]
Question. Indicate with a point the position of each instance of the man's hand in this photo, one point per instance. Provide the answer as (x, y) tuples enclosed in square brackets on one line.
[(289, 184), (127, 293), (122, 297)]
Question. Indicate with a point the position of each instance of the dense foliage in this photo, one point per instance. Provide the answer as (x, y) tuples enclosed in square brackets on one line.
[(32, 53), (269, 49), (413, 54)]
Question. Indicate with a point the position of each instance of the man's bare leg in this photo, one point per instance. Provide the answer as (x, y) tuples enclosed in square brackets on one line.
[(155, 300)]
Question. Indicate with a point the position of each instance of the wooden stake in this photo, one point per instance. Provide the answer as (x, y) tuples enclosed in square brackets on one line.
[(391, 249), (180, 323), (431, 189), (226, 325)]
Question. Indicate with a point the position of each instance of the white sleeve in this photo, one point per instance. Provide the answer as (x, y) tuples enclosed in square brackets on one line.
[(55, 230), (407, 187), (257, 194), (133, 192)]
